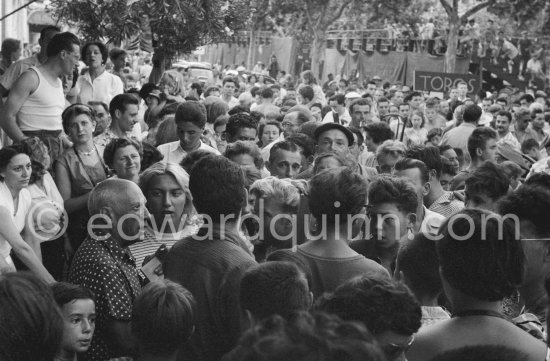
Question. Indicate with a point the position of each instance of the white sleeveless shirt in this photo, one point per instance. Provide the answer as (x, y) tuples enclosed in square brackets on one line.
[(42, 110)]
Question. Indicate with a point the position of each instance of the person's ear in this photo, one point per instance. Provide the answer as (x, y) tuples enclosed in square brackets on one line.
[(426, 188), (479, 152), (118, 113), (411, 221)]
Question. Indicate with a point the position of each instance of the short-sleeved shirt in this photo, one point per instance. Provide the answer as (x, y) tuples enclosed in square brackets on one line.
[(173, 152), (101, 89), (16, 69), (109, 271)]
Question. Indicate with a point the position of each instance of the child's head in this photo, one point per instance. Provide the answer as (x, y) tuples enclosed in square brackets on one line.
[(163, 317), (77, 305), (531, 148), (434, 136)]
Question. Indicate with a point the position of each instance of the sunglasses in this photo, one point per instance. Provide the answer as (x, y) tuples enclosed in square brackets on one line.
[(393, 351)]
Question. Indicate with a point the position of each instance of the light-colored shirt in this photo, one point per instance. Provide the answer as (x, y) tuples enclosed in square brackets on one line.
[(103, 88), (173, 152), (458, 137), (16, 69), (18, 218), (431, 222), (510, 139), (233, 102), (447, 205)]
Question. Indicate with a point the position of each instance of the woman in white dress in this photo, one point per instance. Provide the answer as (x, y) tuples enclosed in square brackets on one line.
[(15, 205)]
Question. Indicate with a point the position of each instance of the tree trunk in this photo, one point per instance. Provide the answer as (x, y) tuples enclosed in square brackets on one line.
[(317, 52), (251, 48), (159, 66), (452, 39)]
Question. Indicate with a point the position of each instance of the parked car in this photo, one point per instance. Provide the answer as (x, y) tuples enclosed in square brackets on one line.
[(201, 71)]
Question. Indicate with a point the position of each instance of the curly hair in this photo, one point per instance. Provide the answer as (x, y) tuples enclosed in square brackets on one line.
[(394, 190), (305, 337), (480, 254), (380, 304), (239, 121)]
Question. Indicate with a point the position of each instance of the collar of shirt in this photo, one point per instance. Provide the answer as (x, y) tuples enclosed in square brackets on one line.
[(116, 250), (88, 77)]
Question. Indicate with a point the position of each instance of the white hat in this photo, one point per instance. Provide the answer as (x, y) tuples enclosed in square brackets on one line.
[(241, 68), (352, 95)]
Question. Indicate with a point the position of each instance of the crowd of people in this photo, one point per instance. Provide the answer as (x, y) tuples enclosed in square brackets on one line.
[(253, 221)]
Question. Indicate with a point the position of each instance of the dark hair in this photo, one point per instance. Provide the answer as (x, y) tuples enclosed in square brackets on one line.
[(146, 89), (214, 109), (197, 87), (394, 190), (282, 145), (478, 139), (163, 317), (217, 186), (502, 100), (409, 163), (116, 53), (360, 102), (536, 111), (527, 97), (307, 92), (530, 203), (381, 304), (306, 336), (47, 29), (230, 79), (116, 144), (417, 258), (339, 98), (487, 180), (121, 101), (261, 128), (429, 155), (274, 288), (245, 147), (266, 93), (434, 132), (10, 151), (359, 135), (472, 113), (32, 325), (238, 109), (193, 112), (529, 144), (62, 41), (9, 46), (539, 179), (379, 132), (239, 121), (482, 352), (504, 113), (303, 141), (336, 193), (150, 156), (102, 49), (191, 158), (480, 256), (64, 293)]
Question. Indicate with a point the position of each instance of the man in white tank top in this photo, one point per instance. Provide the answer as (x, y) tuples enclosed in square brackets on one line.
[(36, 100)]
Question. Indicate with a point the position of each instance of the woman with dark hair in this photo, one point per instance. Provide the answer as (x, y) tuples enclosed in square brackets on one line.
[(268, 132), (481, 261), (16, 231), (97, 84), (31, 327), (123, 157), (79, 169), (215, 108)]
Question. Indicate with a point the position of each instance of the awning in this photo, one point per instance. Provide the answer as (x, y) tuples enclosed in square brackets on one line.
[(41, 17)]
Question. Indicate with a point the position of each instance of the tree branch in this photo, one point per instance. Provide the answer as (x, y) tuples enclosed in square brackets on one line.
[(476, 8), (447, 7), (338, 13), (308, 16)]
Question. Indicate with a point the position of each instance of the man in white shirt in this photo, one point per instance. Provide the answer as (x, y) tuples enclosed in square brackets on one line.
[(124, 109), (228, 91), (190, 121), (503, 121), (36, 100), (339, 113)]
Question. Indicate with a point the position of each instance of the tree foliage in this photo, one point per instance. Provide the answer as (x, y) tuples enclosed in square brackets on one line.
[(177, 26), (530, 15)]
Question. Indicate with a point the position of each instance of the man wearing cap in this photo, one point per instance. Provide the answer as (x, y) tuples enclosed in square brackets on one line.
[(339, 113), (333, 137)]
